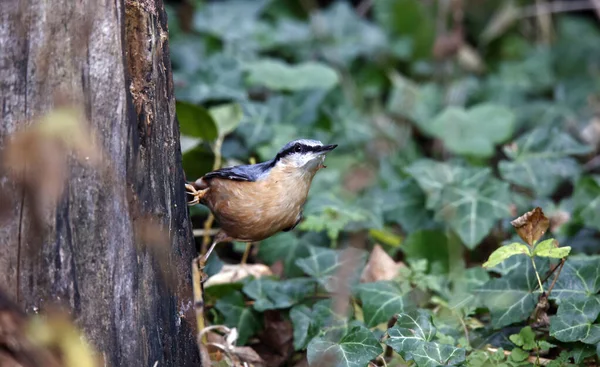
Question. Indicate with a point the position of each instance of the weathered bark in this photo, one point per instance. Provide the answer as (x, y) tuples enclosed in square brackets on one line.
[(112, 57)]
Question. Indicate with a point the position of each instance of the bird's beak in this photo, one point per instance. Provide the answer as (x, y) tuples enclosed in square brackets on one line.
[(327, 148)]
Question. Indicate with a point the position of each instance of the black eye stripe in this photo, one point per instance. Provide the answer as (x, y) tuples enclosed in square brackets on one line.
[(297, 148)]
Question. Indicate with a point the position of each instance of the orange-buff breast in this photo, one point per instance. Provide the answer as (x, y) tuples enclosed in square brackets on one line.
[(253, 211)]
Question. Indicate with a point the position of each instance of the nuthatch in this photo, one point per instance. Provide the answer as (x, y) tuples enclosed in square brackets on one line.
[(253, 202)]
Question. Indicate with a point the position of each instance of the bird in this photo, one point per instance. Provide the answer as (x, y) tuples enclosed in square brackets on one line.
[(253, 202)]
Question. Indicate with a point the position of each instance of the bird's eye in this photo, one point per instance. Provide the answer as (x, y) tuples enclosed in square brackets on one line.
[(298, 148)]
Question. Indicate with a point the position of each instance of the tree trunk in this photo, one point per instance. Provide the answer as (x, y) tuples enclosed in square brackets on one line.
[(112, 57)]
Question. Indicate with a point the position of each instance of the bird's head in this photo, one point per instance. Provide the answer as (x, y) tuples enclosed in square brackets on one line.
[(304, 154)]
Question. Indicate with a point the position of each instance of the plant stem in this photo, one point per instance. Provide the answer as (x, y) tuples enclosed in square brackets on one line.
[(198, 291), (537, 274)]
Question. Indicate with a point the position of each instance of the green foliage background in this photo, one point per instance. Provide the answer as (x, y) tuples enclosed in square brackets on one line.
[(435, 157)]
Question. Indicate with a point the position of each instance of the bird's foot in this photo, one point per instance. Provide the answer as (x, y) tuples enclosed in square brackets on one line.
[(198, 195)]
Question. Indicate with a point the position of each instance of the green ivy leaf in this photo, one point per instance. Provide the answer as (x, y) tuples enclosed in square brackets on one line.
[(381, 300), (579, 352), (524, 339), (232, 21), (218, 77), (574, 321), (302, 319), (405, 205), (355, 349), (474, 131), (195, 121), (507, 265), (586, 200), (428, 244), (470, 200), (549, 248), (411, 330), (540, 160), (227, 117), (414, 102), (412, 337), (472, 211), (435, 354), (513, 297), (324, 264), (271, 294), (237, 315), (433, 176), (344, 35), (320, 320), (504, 253), (579, 279), (277, 75), (332, 219), (285, 247)]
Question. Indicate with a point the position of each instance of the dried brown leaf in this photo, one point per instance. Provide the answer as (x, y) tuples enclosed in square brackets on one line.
[(380, 267), (531, 226), (234, 273)]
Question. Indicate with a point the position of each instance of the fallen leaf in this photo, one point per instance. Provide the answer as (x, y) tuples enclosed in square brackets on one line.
[(234, 273), (380, 266), (276, 340), (531, 226)]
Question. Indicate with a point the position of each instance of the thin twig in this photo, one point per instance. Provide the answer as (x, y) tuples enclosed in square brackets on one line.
[(562, 263), (550, 273), (464, 326), (246, 253)]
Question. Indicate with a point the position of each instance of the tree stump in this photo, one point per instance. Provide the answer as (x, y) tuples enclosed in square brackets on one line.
[(112, 58)]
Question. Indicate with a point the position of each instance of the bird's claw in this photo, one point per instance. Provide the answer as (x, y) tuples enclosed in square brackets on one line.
[(198, 195)]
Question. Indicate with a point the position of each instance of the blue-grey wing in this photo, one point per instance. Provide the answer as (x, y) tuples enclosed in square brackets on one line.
[(250, 172)]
